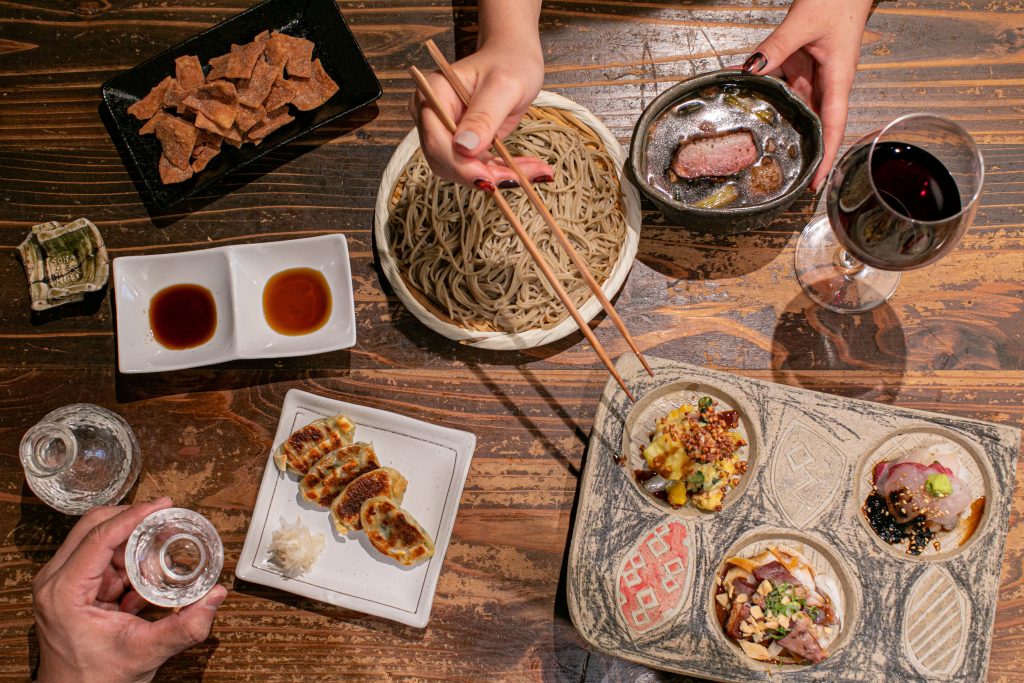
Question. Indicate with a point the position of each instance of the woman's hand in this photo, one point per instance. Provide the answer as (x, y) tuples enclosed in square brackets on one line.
[(503, 77), (817, 48), (85, 608)]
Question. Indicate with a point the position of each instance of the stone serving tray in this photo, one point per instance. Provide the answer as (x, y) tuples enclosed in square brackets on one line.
[(641, 575)]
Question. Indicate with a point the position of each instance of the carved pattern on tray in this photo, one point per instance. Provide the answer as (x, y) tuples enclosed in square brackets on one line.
[(936, 622), (654, 578), (805, 474)]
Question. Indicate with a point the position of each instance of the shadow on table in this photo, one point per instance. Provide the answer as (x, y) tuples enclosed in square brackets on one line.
[(809, 339), (408, 634), (476, 361), (86, 308), (189, 665), (233, 376), (238, 178), (689, 254), (40, 529)]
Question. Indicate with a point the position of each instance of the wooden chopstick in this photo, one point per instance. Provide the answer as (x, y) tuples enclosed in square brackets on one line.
[(506, 210), (542, 209)]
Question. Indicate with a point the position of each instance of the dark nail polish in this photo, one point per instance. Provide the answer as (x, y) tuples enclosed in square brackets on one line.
[(541, 179), (508, 184), (755, 63), (485, 185)]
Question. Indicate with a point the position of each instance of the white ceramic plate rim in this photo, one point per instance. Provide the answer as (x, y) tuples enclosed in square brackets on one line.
[(248, 567), (504, 341), (343, 342)]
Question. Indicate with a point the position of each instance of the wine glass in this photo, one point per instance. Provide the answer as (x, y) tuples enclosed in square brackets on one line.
[(173, 557), (899, 199)]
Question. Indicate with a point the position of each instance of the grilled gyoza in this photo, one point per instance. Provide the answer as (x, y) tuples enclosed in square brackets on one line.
[(394, 532), (383, 481), (328, 477), (314, 441)]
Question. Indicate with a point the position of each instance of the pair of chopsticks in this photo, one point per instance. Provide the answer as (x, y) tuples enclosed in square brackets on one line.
[(460, 89)]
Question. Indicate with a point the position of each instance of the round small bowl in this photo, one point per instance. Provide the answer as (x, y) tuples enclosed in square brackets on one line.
[(741, 218)]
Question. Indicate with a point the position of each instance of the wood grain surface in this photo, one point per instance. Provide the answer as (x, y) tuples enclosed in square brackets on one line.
[(951, 340)]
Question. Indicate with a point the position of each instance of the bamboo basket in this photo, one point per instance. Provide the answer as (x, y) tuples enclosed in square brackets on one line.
[(546, 106)]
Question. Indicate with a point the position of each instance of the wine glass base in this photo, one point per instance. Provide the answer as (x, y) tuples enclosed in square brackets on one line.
[(833, 283)]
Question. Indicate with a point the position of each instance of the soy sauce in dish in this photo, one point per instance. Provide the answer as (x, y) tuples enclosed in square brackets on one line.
[(183, 316), (297, 301)]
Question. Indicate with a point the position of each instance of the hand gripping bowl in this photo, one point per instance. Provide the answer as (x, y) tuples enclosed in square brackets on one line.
[(729, 219), (433, 317)]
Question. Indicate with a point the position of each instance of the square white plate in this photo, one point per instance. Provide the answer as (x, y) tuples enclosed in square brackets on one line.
[(235, 275), (350, 572)]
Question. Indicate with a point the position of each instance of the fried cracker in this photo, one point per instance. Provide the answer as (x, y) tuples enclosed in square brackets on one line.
[(169, 173), (311, 92), (151, 104), (177, 138), (256, 90), (217, 101), (243, 59)]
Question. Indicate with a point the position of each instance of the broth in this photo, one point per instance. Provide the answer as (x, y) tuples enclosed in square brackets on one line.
[(713, 111), (183, 316), (297, 301)]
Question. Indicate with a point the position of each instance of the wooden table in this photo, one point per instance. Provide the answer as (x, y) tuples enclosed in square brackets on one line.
[(951, 340)]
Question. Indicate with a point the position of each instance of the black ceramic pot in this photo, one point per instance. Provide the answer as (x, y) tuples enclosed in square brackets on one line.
[(730, 219)]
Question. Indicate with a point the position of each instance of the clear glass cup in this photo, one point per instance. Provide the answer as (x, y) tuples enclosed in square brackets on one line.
[(899, 199), (80, 456), (174, 557)]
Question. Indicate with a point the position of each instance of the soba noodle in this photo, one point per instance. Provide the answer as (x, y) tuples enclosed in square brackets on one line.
[(454, 246)]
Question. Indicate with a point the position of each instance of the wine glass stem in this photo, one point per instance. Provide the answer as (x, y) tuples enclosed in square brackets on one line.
[(846, 263)]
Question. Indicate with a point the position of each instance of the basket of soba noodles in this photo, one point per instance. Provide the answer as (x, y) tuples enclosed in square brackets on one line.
[(459, 267)]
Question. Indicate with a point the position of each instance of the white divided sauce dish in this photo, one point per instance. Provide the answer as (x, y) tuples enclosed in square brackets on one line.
[(235, 276)]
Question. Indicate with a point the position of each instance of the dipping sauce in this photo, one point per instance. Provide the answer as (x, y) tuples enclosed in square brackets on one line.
[(183, 316), (297, 301)]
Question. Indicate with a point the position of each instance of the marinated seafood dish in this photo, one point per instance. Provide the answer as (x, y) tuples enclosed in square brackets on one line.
[(725, 146), (777, 608), (920, 495), (694, 455)]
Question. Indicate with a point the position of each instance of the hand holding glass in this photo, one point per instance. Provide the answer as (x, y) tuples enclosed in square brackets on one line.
[(173, 557)]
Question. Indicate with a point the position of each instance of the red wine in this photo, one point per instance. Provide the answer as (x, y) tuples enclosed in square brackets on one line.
[(913, 182), (882, 229)]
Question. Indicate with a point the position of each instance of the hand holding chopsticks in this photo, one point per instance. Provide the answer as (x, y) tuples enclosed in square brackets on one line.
[(460, 89), (531, 248)]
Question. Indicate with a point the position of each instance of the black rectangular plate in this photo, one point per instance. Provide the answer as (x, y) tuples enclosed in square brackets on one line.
[(317, 20)]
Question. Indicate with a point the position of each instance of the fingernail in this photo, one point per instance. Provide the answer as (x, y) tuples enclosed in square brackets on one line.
[(468, 140), (755, 63), (163, 500), (508, 184), (485, 185), (541, 179)]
